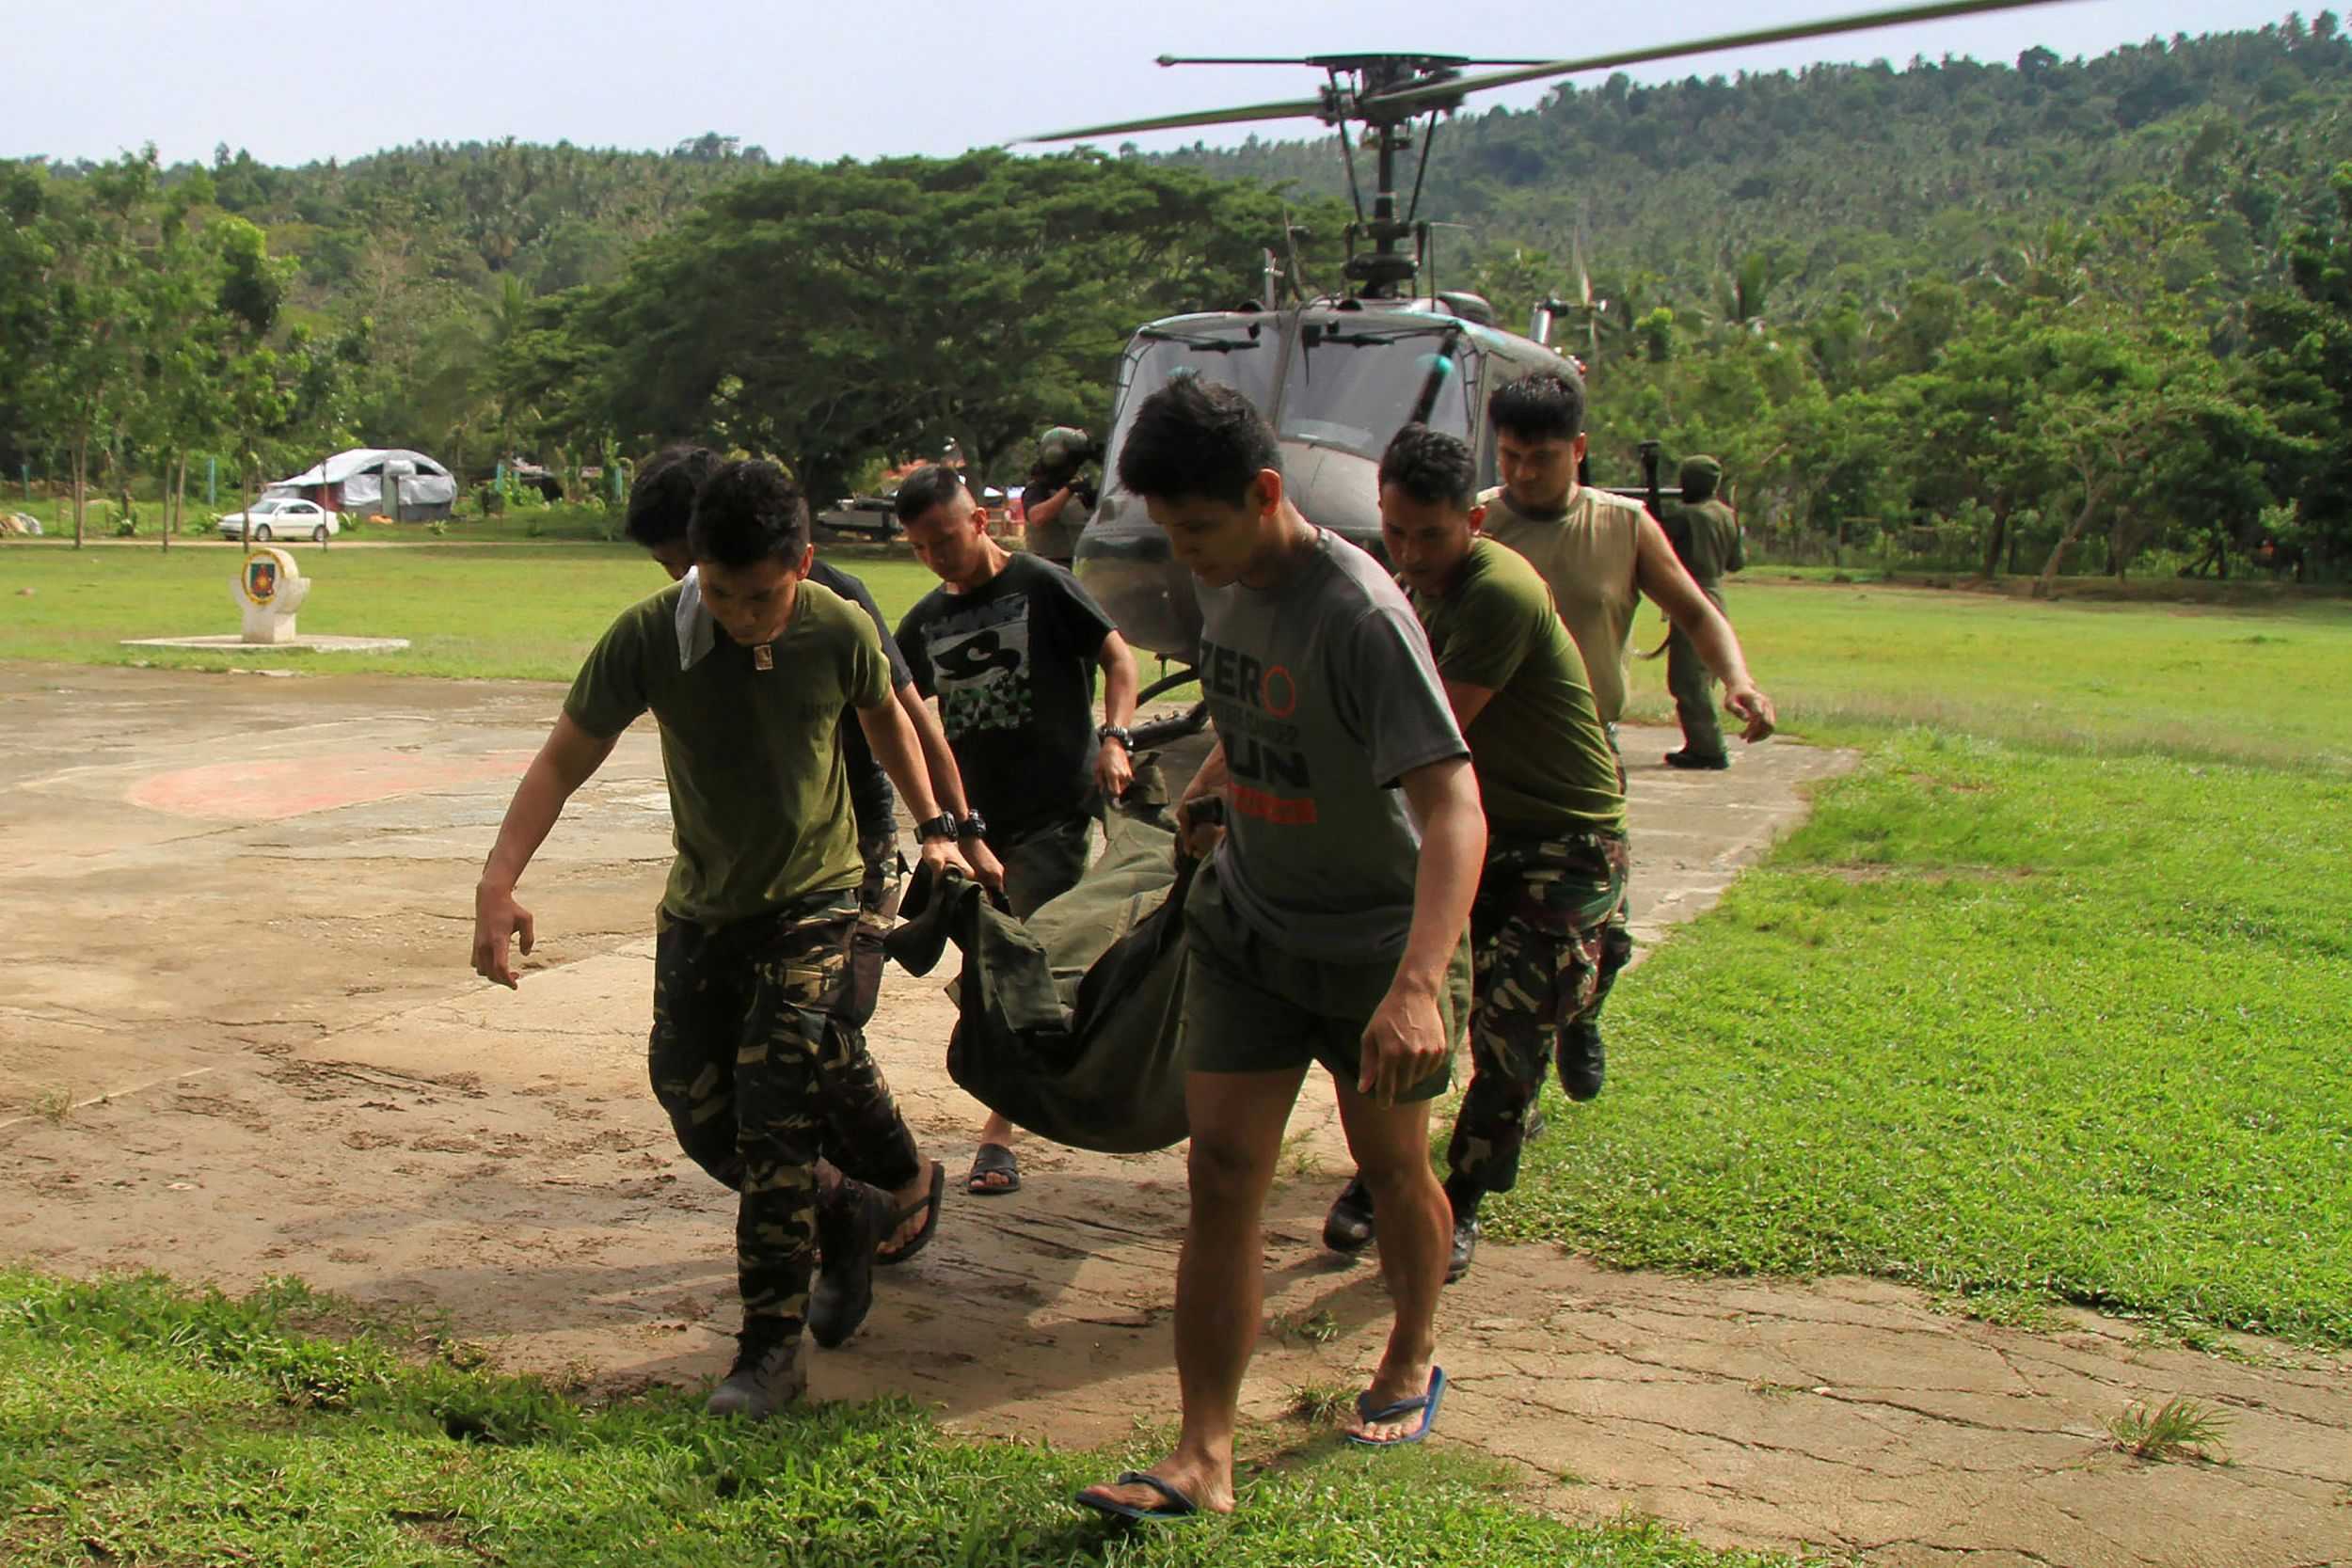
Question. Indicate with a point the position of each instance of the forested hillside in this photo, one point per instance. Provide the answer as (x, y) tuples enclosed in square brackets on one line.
[(2033, 313), (1866, 177)]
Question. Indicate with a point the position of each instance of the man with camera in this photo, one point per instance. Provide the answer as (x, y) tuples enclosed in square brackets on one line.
[(1058, 499)]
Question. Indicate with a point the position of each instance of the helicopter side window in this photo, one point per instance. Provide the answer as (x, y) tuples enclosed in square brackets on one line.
[(1355, 389)]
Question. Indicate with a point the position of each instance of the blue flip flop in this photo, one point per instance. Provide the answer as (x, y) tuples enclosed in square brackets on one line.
[(1175, 1506), (1426, 1403)]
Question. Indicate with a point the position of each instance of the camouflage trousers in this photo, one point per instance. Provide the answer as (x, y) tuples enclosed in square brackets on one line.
[(1539, 946), (759, 1054)]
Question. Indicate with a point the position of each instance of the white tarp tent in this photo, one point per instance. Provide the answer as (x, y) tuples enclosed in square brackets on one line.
[(391, 481)]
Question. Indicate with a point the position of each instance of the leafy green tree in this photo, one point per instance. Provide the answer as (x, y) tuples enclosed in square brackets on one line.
[(829, 314), (76, 310)]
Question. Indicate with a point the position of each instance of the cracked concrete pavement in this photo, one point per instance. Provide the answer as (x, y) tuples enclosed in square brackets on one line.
[(238, 1037)]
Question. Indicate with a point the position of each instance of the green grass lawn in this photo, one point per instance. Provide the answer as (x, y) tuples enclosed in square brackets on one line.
[(2103, 677), (139, 1424), (2180, 680), (2046, 1002), (2006, 1023)]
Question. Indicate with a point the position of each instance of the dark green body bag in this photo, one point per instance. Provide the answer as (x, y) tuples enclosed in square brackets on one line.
[(1071, 1026)]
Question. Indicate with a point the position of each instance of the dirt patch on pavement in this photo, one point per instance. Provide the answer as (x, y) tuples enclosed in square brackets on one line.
[(242, 1046)]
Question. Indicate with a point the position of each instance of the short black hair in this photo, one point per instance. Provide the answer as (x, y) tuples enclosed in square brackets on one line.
[(1546, 407), (932, 484), (746, 513), (661, 497), (1433, 468), (1193, 438)]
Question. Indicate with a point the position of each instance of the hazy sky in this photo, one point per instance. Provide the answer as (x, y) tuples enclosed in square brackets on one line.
[(295, 80)]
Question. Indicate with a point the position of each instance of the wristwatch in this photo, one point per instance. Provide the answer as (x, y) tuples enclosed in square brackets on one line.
[(973, 826), (1118, 733), (942, 826)]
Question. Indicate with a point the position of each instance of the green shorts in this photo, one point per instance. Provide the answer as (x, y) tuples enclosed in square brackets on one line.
[(1251, 1007)]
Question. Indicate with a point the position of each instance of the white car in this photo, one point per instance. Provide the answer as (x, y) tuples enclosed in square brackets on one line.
[(282, 518)]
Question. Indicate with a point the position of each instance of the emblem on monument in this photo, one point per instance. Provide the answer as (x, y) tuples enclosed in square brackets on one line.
[(270, 588), (261, 578)]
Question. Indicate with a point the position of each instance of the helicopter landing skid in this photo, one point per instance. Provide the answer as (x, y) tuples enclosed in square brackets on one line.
[(1160, 732)]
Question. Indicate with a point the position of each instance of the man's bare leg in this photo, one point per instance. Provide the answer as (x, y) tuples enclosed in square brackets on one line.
[(1238, 1120), (1390, 1143)]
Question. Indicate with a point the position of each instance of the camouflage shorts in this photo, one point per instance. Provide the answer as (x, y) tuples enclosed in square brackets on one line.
[(759, 1054), (1540, 941)]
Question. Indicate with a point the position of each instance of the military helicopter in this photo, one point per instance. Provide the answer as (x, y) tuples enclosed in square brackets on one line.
[(1338, 375)]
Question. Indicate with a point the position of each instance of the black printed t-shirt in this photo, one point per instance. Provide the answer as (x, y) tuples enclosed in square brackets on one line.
[(1012, 665)]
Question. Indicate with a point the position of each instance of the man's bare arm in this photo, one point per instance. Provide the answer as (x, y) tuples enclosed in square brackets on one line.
[(1209, 779), (939, 761), (1467, 702), (1049, 508), (1114, 769), (890, 734), (1668, 584), (1121, 681), (939, 758), (1406, 1040), (569, 758)]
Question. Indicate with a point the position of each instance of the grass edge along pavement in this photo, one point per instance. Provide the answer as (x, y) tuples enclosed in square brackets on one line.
[(2015, 1024), (144, 1421)]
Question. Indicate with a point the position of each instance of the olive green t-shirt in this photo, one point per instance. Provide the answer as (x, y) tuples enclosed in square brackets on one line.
[(1705, 537), (759, 801), (1542, 761)]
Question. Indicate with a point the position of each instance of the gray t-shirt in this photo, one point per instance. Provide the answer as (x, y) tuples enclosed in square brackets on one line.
[(1324, 694)]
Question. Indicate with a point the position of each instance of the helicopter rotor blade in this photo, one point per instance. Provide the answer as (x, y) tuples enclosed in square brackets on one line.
[(1399, 103), (1300, 60), (1443, 93), (1298, 108)]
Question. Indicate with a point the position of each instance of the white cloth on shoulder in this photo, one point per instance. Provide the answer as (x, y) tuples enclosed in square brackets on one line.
[(697, 633)]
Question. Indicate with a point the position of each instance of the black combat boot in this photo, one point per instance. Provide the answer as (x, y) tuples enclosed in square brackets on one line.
[(1465, 1248), (1583, 1061), (767, 1374), (1347, 1228)]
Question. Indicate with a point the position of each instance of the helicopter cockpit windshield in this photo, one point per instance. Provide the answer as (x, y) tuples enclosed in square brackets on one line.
[(1345, 387), (1338, 385)]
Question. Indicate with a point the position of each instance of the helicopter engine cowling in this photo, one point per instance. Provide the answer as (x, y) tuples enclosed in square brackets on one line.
[(1124, 562)]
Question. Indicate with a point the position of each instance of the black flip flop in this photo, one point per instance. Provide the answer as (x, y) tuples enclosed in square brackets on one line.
[(992, 1160), (928, 1208), (1174, 1508)]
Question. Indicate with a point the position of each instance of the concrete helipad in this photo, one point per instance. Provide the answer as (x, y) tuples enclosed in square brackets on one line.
[(238, 1037)]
